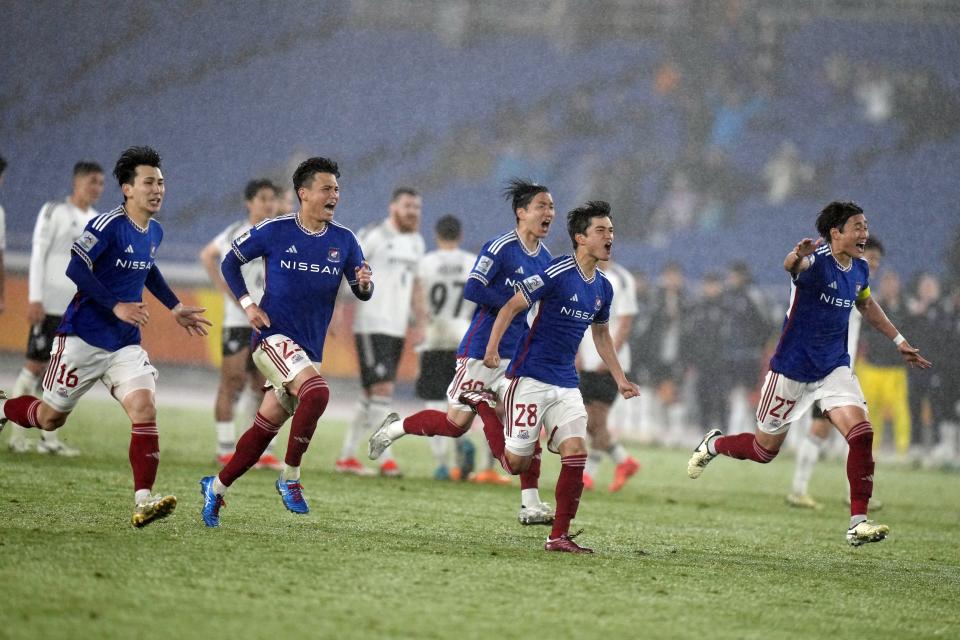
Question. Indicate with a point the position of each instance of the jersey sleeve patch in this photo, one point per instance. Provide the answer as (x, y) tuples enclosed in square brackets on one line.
[(863, 294), (484, 264), (86, 241)]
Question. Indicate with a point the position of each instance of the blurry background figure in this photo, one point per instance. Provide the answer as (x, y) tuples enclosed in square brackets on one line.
[(706, 345), (749, 327), (931, 402), (786, 174)]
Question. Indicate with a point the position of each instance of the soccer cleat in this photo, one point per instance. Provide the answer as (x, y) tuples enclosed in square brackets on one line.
[(802, 501), (624, 471), (389, 469), (441, 473), (19, 444), (291, 492), (379, 441), (536, 514), (351, 466), (490, 476), (466, 457), (224, 458), (3, 417), (701, 455), (155, 507), (269, 461), (57, 448), (867, 531), (566, 544), (455, 474), (587, 481), (473, 399), (212, 502)]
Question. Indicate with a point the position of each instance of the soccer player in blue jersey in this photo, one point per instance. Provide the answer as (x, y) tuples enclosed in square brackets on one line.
[(811, 364), (306, 255), (501, 264), (561, 302), (99, 336)]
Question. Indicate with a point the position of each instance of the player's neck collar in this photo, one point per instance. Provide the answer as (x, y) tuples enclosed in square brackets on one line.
[(582, 274), (839, 264), (323, 230), (134, 222), (536, 249)]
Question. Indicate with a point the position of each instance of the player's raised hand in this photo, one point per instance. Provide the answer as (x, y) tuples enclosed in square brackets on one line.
[(258, 317), (912, 356), (191, 319), (807, 246), (628, 389), (134, 313), (491, 359), (364, 276)]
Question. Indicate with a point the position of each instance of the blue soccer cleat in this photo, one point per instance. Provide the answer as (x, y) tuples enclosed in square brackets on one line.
[(291, 491), (212, 502)]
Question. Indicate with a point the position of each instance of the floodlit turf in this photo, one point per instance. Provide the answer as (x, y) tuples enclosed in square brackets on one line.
[(719, 557)]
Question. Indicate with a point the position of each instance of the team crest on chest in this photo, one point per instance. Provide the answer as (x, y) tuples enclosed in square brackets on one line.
[(333, 255)]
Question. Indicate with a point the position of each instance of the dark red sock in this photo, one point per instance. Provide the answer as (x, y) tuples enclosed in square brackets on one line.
[(432, 423), (860, 467), (313, 396), (22, 411), (744, 446), (530, 479), (569, 489), (250, 447), (492, 429), (144, 454)]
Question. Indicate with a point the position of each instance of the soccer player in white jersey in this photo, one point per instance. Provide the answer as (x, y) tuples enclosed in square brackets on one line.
[(3, 235), (393, 248), (99, 337), (597, 386), (811, 364), (59, 224), (808, 451), (502, 263), (306, 255), (240, 380)]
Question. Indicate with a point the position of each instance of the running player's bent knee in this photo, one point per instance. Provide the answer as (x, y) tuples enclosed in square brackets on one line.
[(314, 394)]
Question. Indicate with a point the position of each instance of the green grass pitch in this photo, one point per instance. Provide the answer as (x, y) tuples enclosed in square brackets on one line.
[(720, 557)]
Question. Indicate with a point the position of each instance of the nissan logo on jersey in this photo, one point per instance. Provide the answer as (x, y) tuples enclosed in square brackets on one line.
[(309, 267)]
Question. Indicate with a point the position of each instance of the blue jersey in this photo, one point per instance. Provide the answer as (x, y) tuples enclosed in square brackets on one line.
[(120, 254), (303, 273), (814, 338), (564, 304), (501, 264)]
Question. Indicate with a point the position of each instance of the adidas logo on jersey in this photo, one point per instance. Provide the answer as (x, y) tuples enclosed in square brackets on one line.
[(574, 298), (519, 270), (129, 249), (292, 249), (833, 285)]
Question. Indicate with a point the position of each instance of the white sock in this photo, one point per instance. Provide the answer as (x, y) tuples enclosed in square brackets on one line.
[(618, 453), (290, 473), (378, 409), (218, 487), (440, 446), (395, 430), (356, 430), (226, 437), (855, 520), (808, 452), (593, 463), (484, 457), (529, 497), (141, 495)]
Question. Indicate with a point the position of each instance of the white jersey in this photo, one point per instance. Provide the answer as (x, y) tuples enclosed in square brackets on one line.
[(3, 230), (58, 225), (393, 257), (443, 274), (253, 276), (624, 304)]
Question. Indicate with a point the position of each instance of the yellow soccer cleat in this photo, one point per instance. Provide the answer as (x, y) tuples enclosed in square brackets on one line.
[(802, 501), (865, 532), (155, 507)]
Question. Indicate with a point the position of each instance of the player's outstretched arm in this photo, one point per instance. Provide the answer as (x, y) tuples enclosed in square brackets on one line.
[(608, 353), (191, 319), (874, 314), (210, 259), (796, 261), (363, 287), (88, 283), (507, 313)]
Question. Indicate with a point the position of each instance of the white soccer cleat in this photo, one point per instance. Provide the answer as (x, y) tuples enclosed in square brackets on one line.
[(57, 448), (701, 455), (867, 531), (153, 508), (379, 441), (541, 513), (20, 444)]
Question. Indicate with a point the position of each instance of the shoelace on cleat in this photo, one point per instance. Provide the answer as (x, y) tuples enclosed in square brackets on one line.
[(296, 492)]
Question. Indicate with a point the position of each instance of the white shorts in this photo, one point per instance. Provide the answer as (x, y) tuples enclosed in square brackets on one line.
[(280, 359), (529, 404), (472, 374), (75, 365), (783, 400)]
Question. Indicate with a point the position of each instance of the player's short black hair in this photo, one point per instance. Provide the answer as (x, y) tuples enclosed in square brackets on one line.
[(254, 186), (404, 191), (834, 216), (3, 165), (86, 167), (448, 228), (126, 168), (874, 243), (310, 167), (579, 219), (519, 193)]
